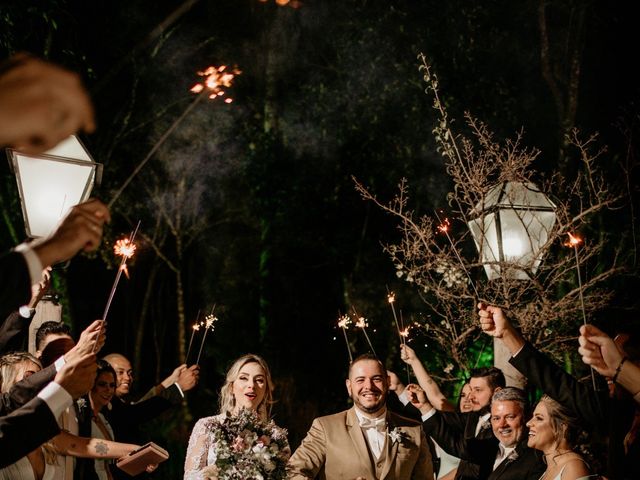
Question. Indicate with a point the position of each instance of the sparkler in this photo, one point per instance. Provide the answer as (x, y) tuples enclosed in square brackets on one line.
[(343, 322), (194, 328), (362, 323), (444, 228), (125, 248), (574, 241), (208, 324), (216, 79)]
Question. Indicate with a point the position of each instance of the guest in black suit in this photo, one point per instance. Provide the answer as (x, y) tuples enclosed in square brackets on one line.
[(127, 417), (461, 433), (611, 416), (504, 455), (514, 460)]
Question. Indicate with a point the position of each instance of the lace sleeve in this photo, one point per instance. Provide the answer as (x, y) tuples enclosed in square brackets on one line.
[(197, 451)]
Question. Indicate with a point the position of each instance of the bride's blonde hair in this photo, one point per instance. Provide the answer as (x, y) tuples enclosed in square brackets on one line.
[(228, 401)]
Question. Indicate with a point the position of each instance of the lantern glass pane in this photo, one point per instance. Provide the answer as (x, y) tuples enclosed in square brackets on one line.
[(483, 231), (49, 188)]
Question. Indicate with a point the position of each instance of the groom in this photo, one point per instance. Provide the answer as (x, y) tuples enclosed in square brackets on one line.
[(366, 441)]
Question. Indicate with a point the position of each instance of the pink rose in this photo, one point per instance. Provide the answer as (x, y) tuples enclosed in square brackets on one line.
[(238, 444)]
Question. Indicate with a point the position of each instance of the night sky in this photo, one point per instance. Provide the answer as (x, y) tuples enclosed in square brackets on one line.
[(253, 201)]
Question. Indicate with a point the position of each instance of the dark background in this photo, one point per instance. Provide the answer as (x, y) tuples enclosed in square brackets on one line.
[(251, 206)]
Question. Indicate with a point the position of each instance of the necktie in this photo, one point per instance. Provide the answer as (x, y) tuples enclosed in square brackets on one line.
[(379, 423)]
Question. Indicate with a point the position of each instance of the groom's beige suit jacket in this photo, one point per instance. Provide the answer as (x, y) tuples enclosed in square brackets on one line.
[(335, 449)]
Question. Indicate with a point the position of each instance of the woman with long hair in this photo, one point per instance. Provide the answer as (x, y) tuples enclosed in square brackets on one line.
[(554, 430), (248, 386)]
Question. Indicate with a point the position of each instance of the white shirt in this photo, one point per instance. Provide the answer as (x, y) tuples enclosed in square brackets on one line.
[(502, 454), (375, 437), (483, 420)]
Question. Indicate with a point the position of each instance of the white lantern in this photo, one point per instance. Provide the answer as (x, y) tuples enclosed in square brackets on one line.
[(512, 225), (51, 183)]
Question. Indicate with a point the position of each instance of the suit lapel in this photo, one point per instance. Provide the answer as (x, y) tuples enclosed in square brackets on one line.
[(359, 443), (391, 447)]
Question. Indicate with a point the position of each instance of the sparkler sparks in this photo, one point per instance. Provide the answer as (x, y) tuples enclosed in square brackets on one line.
[(212, 86), (125, 248), (209, 320), (216, 79), (194, 328)]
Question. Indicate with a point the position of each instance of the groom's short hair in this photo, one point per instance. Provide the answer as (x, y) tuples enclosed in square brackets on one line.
[(363, 357)]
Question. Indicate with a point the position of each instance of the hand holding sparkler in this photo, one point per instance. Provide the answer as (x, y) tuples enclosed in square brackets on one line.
[(91, 340), (81, 229), (494, 323)]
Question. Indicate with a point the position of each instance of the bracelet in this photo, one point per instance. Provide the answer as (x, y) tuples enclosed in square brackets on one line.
[(617, 372)]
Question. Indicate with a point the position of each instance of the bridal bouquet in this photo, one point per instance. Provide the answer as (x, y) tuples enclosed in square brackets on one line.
[(248, 448)]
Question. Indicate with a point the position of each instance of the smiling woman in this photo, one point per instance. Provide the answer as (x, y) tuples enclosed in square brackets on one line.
[(245, 406), (554, 430)]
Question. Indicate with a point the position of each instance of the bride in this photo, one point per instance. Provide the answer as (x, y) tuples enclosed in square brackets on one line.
[(248, 387)]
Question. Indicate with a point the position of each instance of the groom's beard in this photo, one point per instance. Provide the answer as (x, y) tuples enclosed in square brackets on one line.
[(371, 409)]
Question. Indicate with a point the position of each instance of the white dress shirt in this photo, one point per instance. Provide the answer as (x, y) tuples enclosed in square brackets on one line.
[(375, 435)]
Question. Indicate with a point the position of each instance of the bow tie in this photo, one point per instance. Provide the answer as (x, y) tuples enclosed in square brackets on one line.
[(379, 423)]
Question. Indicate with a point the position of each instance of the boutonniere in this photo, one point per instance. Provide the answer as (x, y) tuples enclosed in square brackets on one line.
[(396, 435), (513, 456), (81, 403)]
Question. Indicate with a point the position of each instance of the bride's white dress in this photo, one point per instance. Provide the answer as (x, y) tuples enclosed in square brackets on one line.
[(200, 452)]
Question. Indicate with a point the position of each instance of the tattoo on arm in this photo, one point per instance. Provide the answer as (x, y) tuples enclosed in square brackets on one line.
[(101, 448)]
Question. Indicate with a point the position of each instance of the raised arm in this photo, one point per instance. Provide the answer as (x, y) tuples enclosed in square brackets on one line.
[(430, 387), (542, 372)]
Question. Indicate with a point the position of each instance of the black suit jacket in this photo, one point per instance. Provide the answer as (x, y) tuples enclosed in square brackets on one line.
[(526, 464), (25, 390), (15, 286), (612, 417), (13, 333), (25, 429), (455, 433), (127, 418)]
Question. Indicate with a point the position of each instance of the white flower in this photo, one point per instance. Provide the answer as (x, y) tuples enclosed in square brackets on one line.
[(81, 402), (513, 456), (448, 368), (395, 435)]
